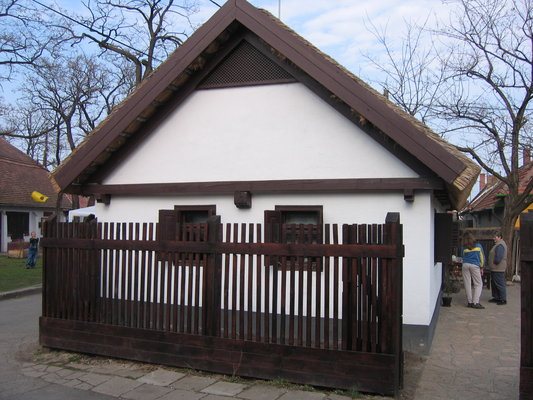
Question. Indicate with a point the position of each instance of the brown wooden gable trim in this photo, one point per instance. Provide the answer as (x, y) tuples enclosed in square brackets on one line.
[(383, 140), (274, 186), (361, 99), (193, 52)]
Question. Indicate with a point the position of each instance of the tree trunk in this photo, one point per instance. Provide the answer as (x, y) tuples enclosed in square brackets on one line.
[(508, 227)]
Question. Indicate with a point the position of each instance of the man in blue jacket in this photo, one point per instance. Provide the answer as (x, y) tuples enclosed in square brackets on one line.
[(473, 263)]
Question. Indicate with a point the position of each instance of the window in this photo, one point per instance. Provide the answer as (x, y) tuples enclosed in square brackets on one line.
[(445, 235), (18, 224), (294, 224), (184, 223)]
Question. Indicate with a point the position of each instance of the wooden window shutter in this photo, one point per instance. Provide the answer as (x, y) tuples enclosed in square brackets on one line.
[(167, 225), (272, 226), (443, 237), (272, 232)]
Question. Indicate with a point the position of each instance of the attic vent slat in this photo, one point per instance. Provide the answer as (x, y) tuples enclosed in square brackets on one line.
[(246, 66)]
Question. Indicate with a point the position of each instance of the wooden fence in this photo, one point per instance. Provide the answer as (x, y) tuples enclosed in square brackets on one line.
[(526, 283), (222, 300)]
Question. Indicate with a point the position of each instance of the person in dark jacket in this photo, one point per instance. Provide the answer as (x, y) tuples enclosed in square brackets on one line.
[(498, 266), (32, 251)]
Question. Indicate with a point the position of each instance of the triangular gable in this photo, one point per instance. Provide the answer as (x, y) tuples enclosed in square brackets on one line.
[(202, 60)]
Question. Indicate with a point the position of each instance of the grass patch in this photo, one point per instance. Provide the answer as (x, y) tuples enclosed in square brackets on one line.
[(14, 275)]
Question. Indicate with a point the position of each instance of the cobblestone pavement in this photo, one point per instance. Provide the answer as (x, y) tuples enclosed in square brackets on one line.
[(475, 353)]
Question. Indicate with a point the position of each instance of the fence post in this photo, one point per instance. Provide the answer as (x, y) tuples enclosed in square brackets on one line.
[(349, 236), (49, 230), (212, 280), (526, 311), (393, 235)]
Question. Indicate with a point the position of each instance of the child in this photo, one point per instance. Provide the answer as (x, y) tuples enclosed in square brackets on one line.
[(32, 252)]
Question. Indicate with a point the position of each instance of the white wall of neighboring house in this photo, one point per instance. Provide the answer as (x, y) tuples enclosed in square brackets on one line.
[(279, 132), (35, 217)]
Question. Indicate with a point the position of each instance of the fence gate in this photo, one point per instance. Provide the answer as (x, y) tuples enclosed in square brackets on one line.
[(526, 298), (220, 299)]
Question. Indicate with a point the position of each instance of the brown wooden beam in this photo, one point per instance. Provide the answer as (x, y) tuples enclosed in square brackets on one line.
[(281, 249), (273, 186)]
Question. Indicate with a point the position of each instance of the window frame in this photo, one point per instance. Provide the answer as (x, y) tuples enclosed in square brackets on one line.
[(275, 233)]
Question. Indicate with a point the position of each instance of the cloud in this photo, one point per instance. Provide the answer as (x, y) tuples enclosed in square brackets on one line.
[(341, 28)]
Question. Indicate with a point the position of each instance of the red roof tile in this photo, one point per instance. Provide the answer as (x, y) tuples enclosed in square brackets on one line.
[(490, 194), (21, 175)]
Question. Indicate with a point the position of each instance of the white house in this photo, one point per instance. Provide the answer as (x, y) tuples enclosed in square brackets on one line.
[(246, 118)]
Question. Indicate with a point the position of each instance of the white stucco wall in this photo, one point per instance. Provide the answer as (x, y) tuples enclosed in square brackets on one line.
[(419, 271), (257, 133), (271, 133)]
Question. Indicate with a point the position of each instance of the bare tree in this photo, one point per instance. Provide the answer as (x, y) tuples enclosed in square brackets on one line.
[(22, 37), (479, 93), (143, 32), (411, 73), (61, 104), (31, 129), (488, 101)]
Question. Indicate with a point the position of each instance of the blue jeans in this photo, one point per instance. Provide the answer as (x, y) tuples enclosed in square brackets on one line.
[(499, 289), (30, 260)]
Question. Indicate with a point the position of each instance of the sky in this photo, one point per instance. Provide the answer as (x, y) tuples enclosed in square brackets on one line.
[(342, 28), (339, 28)]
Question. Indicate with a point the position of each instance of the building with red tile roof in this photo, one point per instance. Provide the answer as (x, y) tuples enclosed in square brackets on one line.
[(20, 213), (486, 209)]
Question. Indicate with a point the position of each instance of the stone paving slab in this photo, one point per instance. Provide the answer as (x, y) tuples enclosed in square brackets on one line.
[(117, 386), (147, 392), (180, 394), (161, 377), (94, 379), (224, 389), (262, 392), (194, 383)]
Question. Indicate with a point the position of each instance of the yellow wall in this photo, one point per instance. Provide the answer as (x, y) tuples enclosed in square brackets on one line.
[(528, 209)]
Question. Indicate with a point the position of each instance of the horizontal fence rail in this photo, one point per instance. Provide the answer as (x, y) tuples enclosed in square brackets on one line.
[(224, 281)]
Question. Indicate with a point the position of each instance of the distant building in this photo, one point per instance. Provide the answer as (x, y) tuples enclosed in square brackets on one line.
[(20, 214), (486, 209)]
